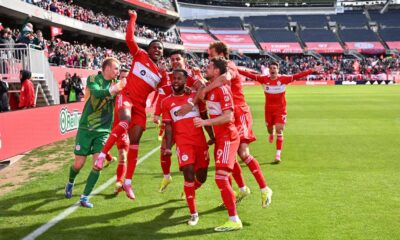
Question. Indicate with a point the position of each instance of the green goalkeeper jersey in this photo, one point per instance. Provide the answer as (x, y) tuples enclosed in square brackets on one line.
[(98, 112)]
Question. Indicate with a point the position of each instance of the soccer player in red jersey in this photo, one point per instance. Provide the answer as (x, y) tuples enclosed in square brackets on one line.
[(178, 61), (143, 78), (221, 109), (275, 100), (191, 144), (243, 123)]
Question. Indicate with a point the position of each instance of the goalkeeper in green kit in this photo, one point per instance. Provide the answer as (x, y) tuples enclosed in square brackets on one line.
[(95, 125)]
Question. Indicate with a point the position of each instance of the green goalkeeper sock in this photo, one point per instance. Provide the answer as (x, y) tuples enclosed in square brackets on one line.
[(91, 181), (72, 174)]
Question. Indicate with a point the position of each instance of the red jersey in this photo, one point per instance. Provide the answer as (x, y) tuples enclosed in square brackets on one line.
[(218, 100), (236, 85), (166, 90), (27, 95), (275, 90), (144, 75), (185, 133)]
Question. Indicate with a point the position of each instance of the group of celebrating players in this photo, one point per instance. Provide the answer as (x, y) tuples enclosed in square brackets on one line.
[(187, 102)]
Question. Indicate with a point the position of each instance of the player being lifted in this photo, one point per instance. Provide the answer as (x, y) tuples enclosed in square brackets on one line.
[(178, 61), (143, 78), (191, 144), (94, 126), (221, 110), (275, 101)]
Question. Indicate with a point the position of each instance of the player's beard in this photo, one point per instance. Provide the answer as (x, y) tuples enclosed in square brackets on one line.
[(179, 90)]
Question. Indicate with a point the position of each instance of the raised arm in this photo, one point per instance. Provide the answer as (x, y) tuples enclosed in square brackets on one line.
[(253, 76), (130, 33)]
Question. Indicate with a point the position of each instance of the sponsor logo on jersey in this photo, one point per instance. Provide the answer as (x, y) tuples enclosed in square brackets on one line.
[(69, 121), (144, 73), (214, 108), (274, 89), (190, 100), (192, 114)]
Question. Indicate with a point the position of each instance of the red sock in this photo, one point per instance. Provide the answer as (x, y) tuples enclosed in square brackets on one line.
[(117, 131), (255, 169), (197, 184), (228, 197), (237, 175), (190, 193), (165, 162), (279, 141), (121, 170), (132, 160)]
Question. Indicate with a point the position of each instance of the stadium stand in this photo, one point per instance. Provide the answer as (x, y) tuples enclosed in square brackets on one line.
[(358, 35), (270, 22), (391, 36), (310, 21), (388, 19), (317, 35), (229, 22), (352, 19)]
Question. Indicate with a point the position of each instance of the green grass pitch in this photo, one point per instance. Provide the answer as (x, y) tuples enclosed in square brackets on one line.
[(339, 179)]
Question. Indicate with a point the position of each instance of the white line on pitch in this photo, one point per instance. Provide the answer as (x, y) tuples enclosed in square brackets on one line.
[(71, 209)]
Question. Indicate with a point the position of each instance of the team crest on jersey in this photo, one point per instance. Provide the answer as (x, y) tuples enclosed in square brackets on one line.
[(77, 147), (212, 97), (279, 83), (185, 157)]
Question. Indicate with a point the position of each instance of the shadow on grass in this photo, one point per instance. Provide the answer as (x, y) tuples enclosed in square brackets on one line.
[(83, 227), (32, 202)]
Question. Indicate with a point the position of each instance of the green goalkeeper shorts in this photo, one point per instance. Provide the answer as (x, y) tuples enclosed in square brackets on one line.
[(89, 142)]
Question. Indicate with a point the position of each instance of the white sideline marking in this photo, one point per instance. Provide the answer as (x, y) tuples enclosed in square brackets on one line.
[(71, 209)]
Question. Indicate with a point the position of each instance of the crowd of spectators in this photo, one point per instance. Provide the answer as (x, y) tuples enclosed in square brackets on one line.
[(62, 53), (69, 9)]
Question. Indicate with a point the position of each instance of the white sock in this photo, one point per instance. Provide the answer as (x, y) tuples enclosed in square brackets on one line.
[(243, 189), (128, 181), (167, 176), (195, 214), (264, 189), (234, 218), (278, 152)]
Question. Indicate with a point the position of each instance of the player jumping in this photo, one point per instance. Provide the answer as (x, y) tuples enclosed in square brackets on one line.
[(144, 77)]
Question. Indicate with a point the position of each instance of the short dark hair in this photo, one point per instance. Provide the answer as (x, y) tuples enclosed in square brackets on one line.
[(220, 47), (178, 51), (154, 41), (274, 63), (220, 63), (180, 70)]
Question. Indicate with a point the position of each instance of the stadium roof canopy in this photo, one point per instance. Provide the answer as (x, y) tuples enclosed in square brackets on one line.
[(263, 3)]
